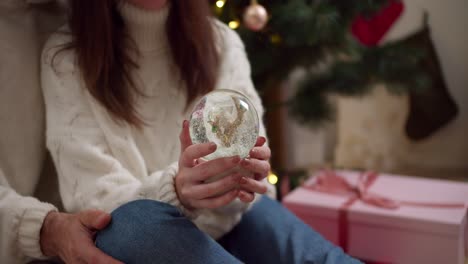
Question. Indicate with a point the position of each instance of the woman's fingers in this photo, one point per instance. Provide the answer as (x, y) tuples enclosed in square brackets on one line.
[(246, 197), (196, 151), (200, 161), (260, 167), (252, 186), (207, 190), (260, 141), (184, 136), (215, 202), (191, 182), (261, 153), (206, 170)]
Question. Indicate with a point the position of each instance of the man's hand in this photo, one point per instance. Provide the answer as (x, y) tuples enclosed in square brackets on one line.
[(71, 236)]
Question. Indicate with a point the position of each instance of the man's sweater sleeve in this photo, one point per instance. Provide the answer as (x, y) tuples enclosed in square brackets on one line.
[(21, 220)]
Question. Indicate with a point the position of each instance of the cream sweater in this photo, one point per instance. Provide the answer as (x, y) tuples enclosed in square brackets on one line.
[(23, 30), (102, 163)]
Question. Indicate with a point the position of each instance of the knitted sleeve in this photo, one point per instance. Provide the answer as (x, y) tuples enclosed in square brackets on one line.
[(21, 220), (98, 165)]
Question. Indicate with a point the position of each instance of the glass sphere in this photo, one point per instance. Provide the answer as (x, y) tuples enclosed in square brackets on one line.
[(227, 118)]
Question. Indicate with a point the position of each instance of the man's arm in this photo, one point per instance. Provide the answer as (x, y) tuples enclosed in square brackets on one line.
[(31, 229), (21, 220)]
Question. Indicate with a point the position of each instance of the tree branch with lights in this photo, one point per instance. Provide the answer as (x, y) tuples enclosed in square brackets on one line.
[(307, 33)]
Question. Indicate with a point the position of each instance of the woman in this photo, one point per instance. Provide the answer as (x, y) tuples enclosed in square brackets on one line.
[(117, 83)]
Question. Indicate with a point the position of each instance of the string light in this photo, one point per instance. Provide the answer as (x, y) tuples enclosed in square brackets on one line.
[(234, 24), (272, 178), (220, 3), (275, 38)]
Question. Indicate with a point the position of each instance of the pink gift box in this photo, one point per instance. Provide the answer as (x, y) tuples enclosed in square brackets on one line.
[(429, 233)]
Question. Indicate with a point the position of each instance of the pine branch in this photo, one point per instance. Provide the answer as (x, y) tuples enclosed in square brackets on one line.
[(303, 33)]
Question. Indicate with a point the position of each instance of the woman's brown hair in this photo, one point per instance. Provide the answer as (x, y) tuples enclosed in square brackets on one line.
[(102, 51)]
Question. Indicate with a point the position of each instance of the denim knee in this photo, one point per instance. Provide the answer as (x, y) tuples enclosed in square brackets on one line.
[(141, 227), (147, 231)]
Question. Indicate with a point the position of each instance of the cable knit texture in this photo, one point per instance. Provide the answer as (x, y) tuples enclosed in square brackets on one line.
[(103, 163)]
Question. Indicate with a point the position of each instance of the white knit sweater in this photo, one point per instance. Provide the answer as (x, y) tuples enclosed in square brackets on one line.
[(102, 163)]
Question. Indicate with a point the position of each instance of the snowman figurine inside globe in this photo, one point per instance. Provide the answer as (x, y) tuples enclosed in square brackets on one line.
[(228, 119)]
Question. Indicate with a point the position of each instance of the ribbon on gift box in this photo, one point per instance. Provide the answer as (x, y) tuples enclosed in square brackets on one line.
[(330, 182)]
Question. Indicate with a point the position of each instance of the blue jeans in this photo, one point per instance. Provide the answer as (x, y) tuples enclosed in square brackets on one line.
[(147, 231)]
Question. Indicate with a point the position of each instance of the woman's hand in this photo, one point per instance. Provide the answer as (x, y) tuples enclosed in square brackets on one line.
[(191, 188), (258, 165), (70, 237)]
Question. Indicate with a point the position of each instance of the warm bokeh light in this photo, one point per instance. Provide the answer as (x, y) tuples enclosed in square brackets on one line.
[(275, 39), (220, 3), (233, 24), (272, 178)]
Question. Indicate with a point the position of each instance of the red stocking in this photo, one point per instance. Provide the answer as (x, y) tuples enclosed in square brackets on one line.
[(369, 31)]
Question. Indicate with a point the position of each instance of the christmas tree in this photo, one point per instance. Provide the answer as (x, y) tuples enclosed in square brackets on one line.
[(311, 33), (338, 43)]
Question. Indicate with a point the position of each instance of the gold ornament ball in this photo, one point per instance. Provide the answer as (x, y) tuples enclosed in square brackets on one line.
[(255, 17)]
